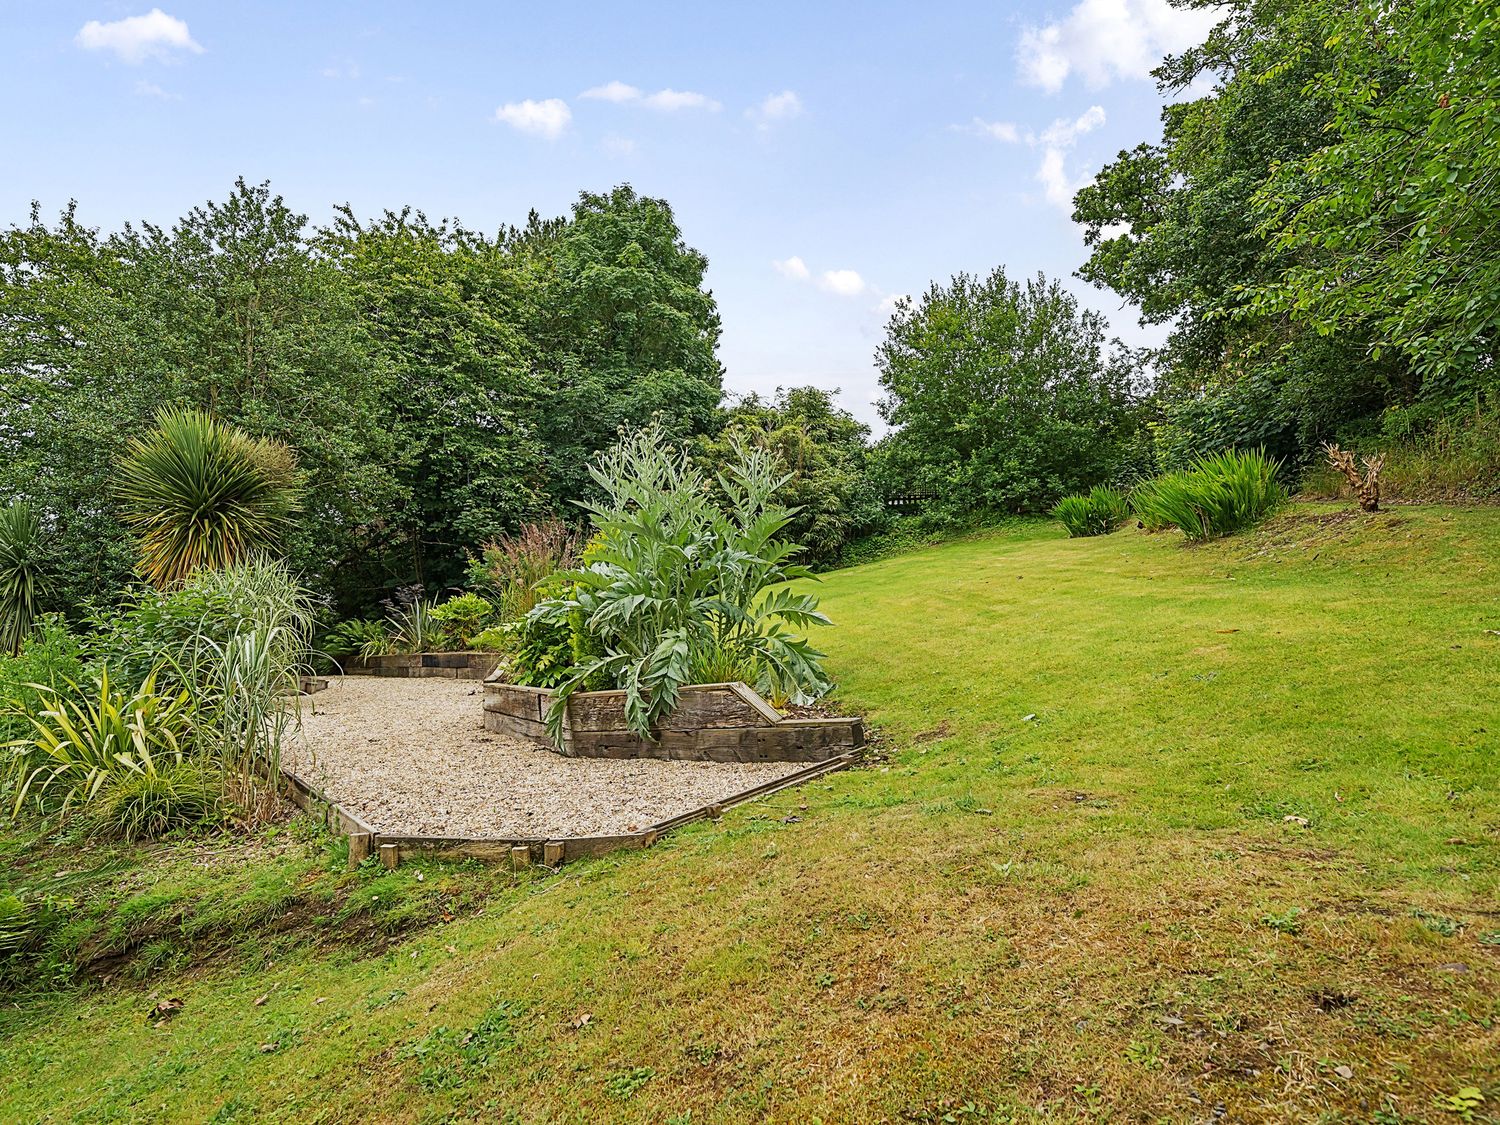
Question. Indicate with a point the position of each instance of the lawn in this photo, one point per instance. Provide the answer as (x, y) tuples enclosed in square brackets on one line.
[(1153, 833)]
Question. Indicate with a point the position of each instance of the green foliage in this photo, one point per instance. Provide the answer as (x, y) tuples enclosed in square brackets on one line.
[(497, 638), (1001, 395), (438, 387), (1396, 240), (1098, 512), (85, 740), (358, 637), (825, 451), (413, 628), (239, 639), (462, 617), (202, 494), (511, 568), (50, 659), (672, 581), (1219, 495), (156, 798), (20, 532)]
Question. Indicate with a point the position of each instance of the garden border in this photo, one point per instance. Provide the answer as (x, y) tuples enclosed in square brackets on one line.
[(459, 664), (523, 851)]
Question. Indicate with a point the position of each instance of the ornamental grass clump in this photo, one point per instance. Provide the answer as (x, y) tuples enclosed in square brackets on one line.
[(1097, 512), (672, 585), (1217, 495)]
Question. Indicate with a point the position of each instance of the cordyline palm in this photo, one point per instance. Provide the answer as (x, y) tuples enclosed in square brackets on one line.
[(201, 493), (19, 532)]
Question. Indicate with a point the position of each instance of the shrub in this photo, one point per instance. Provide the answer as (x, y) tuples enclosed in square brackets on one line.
[(673, 581), (83, 742), (240, 640), (414, 628), (156, 798), (1098, 512), (497, 638), (510, 568), (356, 637), (49, 660), (1218, 495), (463, 617), (201, 493), (20, 533)]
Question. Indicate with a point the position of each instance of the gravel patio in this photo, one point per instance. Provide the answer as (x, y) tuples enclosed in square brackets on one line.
[(412, 756)]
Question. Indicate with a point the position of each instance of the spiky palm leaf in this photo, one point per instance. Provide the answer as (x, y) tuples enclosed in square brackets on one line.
[(20, 532), (201, 493)]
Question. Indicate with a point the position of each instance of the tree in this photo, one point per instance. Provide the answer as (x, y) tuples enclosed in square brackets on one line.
[(445, 307), (1002, 395), (826, 453), (1390, 226), (1172, 228), (621, 329)]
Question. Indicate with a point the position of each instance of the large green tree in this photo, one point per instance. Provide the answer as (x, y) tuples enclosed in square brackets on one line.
[(824, 450), (621, 327), (1390, 227), (1315, 226), (445, 307), (1002, 395)]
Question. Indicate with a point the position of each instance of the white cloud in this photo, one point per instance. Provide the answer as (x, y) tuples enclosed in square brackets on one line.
[(888, 303), (617, 145), (846, 283), (668, 100), (135, 39), (793, 267), (775, 107), (1057, 187), (1063, 133), (348, 70), (152, 90), (545, 118), (1101, 40), (997, 130), (613, 92), (843, 283)]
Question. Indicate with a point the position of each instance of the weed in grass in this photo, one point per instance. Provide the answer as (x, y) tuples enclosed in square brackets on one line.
[(1437, 923), (625, 1084), (1289, 921)]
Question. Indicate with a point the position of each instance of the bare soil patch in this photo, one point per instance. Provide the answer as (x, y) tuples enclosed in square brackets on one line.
[(413, 757)]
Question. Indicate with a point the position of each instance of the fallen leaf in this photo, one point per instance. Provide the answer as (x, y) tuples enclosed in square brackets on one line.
[(583, 1021), (1226, 630), (321, 1000), (267, 1048), (1028, 718), (421, 878), (165, 1010), (259, 1000), (1302, 820), (1344, 1071)]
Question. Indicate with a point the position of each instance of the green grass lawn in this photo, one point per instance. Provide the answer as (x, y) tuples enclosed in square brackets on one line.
[(1153, 831)]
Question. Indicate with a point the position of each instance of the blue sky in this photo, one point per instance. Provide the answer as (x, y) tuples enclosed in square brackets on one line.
[(826, 157)]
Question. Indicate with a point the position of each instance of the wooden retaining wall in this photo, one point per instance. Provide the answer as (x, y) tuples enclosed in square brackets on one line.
[(448, 665), (365, 840), (712, 723)]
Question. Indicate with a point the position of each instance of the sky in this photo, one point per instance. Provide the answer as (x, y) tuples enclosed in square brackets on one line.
[(827, 158)]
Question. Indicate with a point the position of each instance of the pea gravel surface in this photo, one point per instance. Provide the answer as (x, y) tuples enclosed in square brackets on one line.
[(411, 756)]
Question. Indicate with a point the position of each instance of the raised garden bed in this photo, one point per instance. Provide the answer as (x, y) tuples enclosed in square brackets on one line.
[(711, 723), (447, 665)]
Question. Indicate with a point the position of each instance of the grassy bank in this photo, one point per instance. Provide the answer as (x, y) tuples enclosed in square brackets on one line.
[(1157, 830)]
